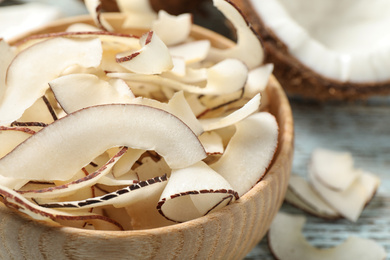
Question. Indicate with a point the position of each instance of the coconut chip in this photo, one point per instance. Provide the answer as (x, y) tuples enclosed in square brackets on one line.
[(302, 195), (120, 198), (94, 8), (287, 242), (44, 56), (18, 202), (193, 192), (144, 60), (110, 90), (74, 186)]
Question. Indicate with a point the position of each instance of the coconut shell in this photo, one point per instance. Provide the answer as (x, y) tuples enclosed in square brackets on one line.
[(296, 78)]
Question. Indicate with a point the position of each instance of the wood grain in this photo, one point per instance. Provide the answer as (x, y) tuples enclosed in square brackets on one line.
[(362, 128), (229, 233)]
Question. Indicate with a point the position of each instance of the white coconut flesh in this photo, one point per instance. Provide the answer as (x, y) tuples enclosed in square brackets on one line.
[(18, 202), (341, 40), (343, 187), (246, 39), (191, 52), (7, 55), (9, 139), (334, 169), (78, 129), (119, 198), (74, 186), (350, 202), (255, 142), (43, 56), (193, 192), (212, 142), (164, 24), (292, 198), (76, 91), (225, 77), (301, 190), (40, 112), (286, 241), (113, 122), (139, 13), (139, 61), (94, 8)]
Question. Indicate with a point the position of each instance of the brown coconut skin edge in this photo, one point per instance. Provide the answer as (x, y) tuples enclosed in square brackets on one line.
[(296, 78), (229, 233)]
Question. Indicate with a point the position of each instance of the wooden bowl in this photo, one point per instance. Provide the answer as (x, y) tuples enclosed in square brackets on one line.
[(229, 233)]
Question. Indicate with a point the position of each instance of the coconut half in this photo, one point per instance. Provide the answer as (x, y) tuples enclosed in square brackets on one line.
[(325, 49)]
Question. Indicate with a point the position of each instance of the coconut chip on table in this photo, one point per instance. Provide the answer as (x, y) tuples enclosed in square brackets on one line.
[(335, 188), (191, 120), (286, 241)]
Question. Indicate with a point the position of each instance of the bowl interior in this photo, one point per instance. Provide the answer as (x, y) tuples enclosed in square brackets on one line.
[(228, 233)]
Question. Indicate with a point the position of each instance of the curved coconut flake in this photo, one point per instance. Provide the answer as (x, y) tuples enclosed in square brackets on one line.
[(220, 104), (152, 58), (164, 24), (139, 13), (76, 91), (9, 139), (179, 67), (258, 79), (144, 215), (71, 187), (41, 111), (189, 75), (131, 41), (246, 38), (334, 169), (286, 241), (292, 198), (191, 52), (119, 198), (225, 77), (303, 191), (193, 192), (119, 214), (16, 201), (23, 89), (255, 139), (126, 162), (82, 27), (212, 143), (196, 106), (177, 106), (150, 168), (350, 202), (249, 108), (126, 179), (7, 54), (94, 8), (76, 140)]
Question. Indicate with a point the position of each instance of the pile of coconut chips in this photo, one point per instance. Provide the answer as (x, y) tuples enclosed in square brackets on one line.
[(110, 131), (335, 189)]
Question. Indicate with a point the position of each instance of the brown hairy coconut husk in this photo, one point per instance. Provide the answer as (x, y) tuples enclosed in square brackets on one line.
[(300, 80)]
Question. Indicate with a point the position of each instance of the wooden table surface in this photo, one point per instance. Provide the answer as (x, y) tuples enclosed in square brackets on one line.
[(362, 128)]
